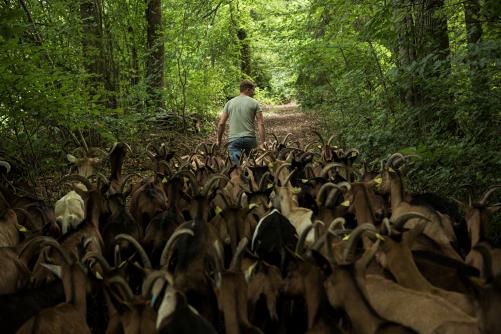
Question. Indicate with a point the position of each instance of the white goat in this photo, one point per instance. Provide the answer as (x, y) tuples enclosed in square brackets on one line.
[(69, 211)]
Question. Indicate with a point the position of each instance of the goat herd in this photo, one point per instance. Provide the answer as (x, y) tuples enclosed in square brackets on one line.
[(297, 239)]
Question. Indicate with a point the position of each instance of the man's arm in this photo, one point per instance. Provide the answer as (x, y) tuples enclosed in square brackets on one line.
[(221, 127), (260, 129)]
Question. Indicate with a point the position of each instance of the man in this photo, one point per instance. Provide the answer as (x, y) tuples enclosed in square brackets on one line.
[(243, 112)]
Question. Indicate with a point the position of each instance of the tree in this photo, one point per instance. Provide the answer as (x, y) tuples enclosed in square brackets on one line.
[(155, 55)]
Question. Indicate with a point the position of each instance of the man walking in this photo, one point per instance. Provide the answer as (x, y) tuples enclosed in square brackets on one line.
[(244, 112)]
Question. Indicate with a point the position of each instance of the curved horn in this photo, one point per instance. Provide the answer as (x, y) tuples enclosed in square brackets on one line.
[(78, 178), (282, 166), (389, 162), (488, 193), (326, 186), (150, 280), (319, 137), (308, 146), (170, 243), (289, 176), (263, 180), (29, 218), (334, 224), (286, 137), (125, 179), (351, 150), (191, 178), (98, 258), (349, 251), (123, 285), (6, 165), (302, 239), (149, 152), (210, 182), (331, 138), (401, 220), (345, 185), (261, 157), (329, 166), (235, 261), (142, 254)]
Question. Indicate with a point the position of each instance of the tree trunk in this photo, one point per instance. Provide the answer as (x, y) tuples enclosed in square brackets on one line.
[(245, 52), (92, 36), (474, 34), (406, 48), (155, 55)]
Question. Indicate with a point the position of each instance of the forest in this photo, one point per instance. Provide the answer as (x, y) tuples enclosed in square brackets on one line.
[(353, 93), (415, 77)]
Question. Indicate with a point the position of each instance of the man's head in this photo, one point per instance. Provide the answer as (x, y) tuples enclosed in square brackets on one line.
[(247, 87)]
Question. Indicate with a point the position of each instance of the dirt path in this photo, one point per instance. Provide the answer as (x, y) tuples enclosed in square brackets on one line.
[(284, 119)]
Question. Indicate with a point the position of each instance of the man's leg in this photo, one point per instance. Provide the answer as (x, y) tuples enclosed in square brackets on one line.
[(235, 151)]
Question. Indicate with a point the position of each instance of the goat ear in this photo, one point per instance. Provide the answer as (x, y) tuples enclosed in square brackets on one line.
[(56, 270), (321, 262), (71, 158), (412, 235), (494, 208)]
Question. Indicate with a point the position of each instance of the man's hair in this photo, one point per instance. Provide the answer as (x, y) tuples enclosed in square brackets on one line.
[(246, 84)]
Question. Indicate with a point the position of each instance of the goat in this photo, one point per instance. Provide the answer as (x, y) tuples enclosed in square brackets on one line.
[(70, 315), (19, 307), (175, 315), (14, 274), (231, 292), (439, 231)]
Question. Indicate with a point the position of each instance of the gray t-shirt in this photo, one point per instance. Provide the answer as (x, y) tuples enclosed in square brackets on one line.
[(242, 114)]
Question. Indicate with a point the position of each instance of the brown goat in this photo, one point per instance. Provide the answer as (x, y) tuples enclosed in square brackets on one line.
[(68, 316)]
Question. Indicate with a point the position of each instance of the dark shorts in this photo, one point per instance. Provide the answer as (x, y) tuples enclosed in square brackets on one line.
[(240, 145)]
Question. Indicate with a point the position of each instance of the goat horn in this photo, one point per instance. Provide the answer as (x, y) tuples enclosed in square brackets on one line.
[(302, 239), (337, 221), (345, 185), (274, 136), (331, 138), (319, 137), (329, 166), (99, 258), (201, 145), (349, 251), (400, 221), (137, 246), (192, 179), (289, 176), (331, 196), (488, 193), (235, 261), (364, 261), (223, 197), (29, 218), (79, 178), (163, 162), (351, 150), (387, 226), (261, 157), (308, 146), (324, 188), (149, 152), (150, 280), (122, 284), (47, 241), (6, 165), (125, 179), (279, 169), (263, 180), (210, 182), (96, 150), (170, 243), (389, 162), (286, 137)]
